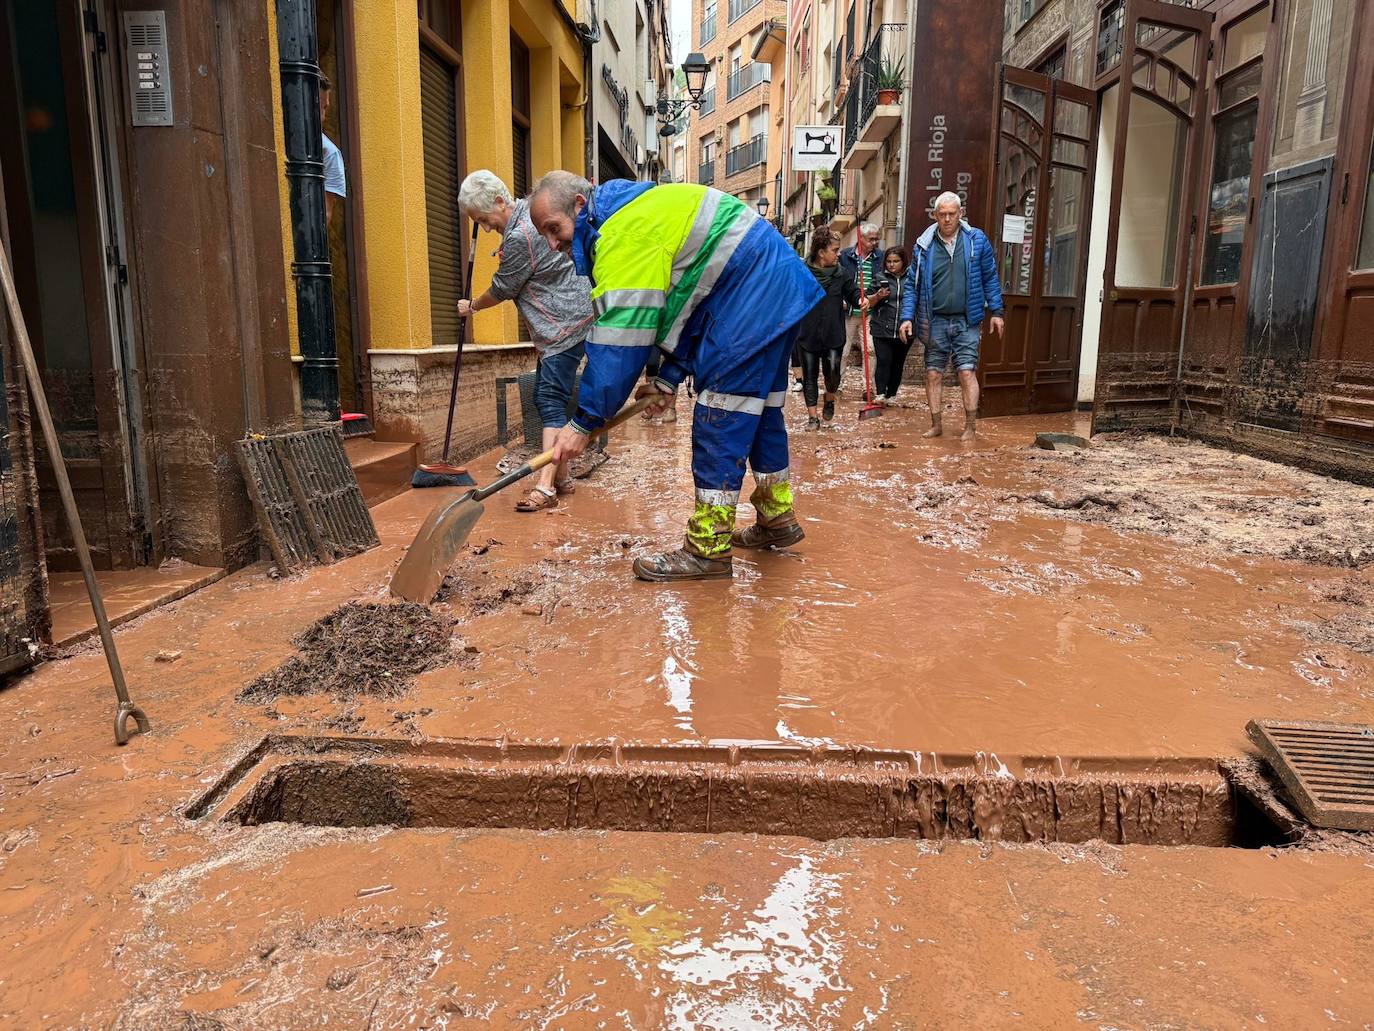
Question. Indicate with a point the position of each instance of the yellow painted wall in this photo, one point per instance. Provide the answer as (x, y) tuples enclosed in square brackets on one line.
[(556, 140), (387, 63)]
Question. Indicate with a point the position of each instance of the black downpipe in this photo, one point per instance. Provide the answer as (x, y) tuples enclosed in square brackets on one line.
[(298, 48)]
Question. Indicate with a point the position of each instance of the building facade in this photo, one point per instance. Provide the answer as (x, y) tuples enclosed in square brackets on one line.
[(729, 132), (1191, 245), (631, 59), (434, 89)]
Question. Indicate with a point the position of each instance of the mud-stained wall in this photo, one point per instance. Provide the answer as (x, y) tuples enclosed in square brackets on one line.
[(411, 389), (209, 275)]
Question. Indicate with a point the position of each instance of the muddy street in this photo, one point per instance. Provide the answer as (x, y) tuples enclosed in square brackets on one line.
[(951, 760)]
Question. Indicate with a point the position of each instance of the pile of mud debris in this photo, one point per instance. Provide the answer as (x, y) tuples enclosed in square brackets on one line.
[(1206, 497), (360, 650)]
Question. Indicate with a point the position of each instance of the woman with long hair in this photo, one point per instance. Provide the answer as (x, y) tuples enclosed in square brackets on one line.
[(890, 349), (820, 338)]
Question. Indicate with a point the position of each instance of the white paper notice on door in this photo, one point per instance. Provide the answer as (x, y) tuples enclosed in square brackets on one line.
[(1013, 228)]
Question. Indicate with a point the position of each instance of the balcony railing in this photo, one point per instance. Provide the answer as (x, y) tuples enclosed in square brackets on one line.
[(706, 172), (739, 7), (747, 155), (888, 46), (745, 78), (708, 29), (708, 101)]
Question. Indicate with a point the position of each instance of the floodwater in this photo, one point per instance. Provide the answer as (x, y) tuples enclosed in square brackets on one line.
[(924, 611)]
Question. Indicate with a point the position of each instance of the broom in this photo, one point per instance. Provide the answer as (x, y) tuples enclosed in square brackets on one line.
[(871, 408), (442, 473)]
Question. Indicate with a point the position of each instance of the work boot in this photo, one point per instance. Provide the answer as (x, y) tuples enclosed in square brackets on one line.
[(781, 532), (936, 426), (970, 421), (683, 564)]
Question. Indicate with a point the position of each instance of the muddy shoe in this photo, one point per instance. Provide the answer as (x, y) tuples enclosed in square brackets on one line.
[(812, 424), (829, 409), (682, 564), (780, 535)]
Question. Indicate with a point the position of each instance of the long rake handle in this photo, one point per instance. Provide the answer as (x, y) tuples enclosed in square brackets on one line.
[(544, 458), (127, 710), (458, 354)]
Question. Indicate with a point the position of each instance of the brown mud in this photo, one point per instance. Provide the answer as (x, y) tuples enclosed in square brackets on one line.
[(1208, 498), (922, 612), (359, 650)]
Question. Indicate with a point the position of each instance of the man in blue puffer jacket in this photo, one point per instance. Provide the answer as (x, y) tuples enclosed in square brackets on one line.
[(951, 284)]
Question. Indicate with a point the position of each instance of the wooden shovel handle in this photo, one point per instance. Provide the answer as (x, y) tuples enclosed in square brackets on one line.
[(624, 415)]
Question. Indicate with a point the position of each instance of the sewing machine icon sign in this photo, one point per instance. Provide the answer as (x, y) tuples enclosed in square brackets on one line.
[(815, 147)]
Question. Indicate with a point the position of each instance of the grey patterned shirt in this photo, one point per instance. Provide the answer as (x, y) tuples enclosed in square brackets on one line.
[(555, 300)]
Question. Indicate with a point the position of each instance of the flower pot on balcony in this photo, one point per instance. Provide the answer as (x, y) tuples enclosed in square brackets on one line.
[(889, 96)]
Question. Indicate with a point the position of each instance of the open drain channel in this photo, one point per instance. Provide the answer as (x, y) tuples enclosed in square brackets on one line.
[(820, 793)]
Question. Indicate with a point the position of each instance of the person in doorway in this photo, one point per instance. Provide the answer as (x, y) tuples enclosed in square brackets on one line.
[(555, 301), (820, 338), (335, 184), (951, 285), (699, 275), (863, 262), (883, 323)]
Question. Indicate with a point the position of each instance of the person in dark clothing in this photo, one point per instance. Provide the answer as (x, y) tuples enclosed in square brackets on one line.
[(883, 322), (820, 337)]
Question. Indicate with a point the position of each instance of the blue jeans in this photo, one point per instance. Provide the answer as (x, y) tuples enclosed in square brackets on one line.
[(554, 386), (952, 336)]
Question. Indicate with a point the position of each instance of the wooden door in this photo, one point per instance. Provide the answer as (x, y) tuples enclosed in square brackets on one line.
[(1156, 156), (1236, 138), (1044, 151), (63, 259), (1342, 381)]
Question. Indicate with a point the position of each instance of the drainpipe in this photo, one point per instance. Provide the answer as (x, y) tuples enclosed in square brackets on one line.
[(298, 50), (910, 102)]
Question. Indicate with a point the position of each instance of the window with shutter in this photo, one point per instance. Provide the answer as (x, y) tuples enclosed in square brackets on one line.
[(441, 118)]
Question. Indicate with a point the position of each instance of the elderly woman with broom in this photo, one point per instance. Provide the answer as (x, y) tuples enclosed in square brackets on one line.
[(555, 301)]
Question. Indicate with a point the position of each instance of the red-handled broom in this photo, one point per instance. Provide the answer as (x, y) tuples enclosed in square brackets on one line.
[(442, 473)]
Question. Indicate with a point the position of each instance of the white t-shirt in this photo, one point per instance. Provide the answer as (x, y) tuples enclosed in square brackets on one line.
[(333, 169)]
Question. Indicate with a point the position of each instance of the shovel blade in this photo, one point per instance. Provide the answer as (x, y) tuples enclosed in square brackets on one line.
[(435, 547), (870, 412)]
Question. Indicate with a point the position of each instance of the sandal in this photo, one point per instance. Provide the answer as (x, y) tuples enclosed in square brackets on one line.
[(537, 500), (568, 486)]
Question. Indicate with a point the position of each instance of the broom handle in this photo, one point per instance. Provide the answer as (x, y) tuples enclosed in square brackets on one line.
[(458, 354), (546, 457), (64, 489)]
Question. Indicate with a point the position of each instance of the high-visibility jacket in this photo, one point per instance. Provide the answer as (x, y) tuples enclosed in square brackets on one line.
[(655, 253)]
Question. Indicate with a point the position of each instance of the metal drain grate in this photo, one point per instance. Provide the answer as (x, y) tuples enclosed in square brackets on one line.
[(306, 497), (1328, 769)]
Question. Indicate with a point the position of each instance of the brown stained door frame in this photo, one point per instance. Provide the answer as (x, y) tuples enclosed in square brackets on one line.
[(1039, 305), (109, 127), (1199, 23), (1341, 281), (1227, 16)]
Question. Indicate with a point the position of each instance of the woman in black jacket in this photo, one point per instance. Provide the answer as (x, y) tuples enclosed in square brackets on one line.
[(820, 338), (890, 349)]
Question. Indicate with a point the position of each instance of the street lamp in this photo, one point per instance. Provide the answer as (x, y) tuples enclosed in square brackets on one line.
[(763, 206), (694, 70)]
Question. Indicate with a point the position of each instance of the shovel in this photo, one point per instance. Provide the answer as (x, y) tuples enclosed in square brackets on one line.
[(871, 408), (422, 569)]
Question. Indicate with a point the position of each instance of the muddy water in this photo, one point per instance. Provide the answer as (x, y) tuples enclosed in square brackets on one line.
[(920, 612)]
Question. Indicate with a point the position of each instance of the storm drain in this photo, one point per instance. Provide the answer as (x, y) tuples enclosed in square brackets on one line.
[(820, 793), (1327, 768)]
